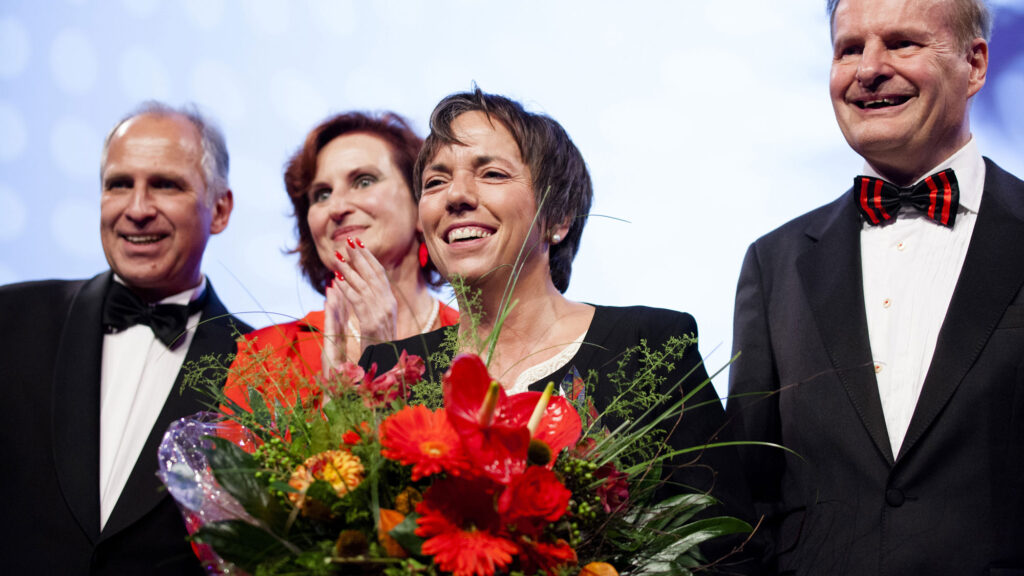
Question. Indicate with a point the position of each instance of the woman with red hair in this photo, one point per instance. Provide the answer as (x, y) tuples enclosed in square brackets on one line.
[(360, 244)]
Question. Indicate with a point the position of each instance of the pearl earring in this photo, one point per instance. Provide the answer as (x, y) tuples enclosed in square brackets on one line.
[(555, 238)]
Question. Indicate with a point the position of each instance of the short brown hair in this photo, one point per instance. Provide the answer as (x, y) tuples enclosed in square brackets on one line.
[(561, 182), (301, 170)]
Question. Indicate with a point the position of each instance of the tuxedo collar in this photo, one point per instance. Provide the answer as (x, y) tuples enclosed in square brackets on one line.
[(76, 404), (992, 276), (143, 490), (76, 409), (830, 272)]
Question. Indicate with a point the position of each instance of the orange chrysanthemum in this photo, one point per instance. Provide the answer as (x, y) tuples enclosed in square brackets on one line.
[(339, 468), (425, 440)]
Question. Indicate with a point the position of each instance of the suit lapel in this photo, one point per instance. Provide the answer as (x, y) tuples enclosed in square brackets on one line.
[(143, 490), (992, 276), (830, 270), (76, 405)]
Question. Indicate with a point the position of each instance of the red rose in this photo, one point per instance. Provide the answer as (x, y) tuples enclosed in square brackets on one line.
[(533, 499)]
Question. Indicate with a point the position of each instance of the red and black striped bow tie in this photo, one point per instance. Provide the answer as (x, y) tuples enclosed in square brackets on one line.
[(938, 196)]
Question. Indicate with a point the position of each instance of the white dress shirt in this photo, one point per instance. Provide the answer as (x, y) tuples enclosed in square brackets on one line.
[(910, 269), (137, 374)]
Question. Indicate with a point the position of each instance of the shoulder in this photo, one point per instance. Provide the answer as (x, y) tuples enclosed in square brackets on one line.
[(312, 323), (639, 322), (1004, 187), (40, 290), (807, 223)]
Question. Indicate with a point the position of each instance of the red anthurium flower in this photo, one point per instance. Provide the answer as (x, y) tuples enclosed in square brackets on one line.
[(559, 425), (496, 440), (423, 439), (461, 528), (532, 500), (493, 425)]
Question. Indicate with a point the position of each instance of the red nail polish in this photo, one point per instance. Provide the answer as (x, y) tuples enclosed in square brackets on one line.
[(360, 242), (339, 256), (350, 242), (330, 283), (339, 276)]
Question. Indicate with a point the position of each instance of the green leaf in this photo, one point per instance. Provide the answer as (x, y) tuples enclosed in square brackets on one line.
[(241, 543), (405, 535), (235, 471), (705, 529)]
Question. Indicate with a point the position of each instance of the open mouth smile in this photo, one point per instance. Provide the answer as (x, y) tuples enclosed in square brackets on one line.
[(464, 233), (881, 102), (143, 238)]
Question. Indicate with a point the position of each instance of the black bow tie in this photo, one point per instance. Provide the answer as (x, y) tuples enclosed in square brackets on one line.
[(938, 196), (123, 309)]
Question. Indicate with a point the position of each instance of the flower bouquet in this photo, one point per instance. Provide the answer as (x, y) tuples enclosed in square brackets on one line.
[(368, 473)]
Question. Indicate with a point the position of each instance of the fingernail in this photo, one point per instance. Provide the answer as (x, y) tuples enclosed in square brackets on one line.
[(339, 256), (330, 283), (339, 276), (360, 242), (350, 242)]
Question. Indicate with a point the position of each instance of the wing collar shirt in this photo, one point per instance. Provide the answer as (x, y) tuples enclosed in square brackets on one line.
[(138, 373), (910, 268)]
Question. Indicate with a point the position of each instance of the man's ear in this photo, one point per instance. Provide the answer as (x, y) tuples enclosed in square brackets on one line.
[(221, 212), (977, 57)]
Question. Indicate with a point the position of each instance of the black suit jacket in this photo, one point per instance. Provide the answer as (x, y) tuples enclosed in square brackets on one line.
[(952, 501), (50, 352)]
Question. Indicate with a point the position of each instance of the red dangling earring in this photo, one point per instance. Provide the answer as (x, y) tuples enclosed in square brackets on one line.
[(424, 256)]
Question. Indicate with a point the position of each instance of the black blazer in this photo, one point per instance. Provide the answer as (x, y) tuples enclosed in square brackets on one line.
[(50, 351), (952, 501)]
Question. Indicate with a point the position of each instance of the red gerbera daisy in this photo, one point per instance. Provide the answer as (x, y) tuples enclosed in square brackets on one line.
[(423, 439), (461, 528)]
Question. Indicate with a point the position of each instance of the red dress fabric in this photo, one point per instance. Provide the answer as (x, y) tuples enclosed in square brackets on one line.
[(292, 357)]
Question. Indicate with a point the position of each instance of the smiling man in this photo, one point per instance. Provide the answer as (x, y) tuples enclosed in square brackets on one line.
[(93, 368), (882, 335)]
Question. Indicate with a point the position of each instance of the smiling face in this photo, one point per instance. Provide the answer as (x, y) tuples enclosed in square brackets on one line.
[(155, 217), (359, 192), (477, 206), (900, 84)]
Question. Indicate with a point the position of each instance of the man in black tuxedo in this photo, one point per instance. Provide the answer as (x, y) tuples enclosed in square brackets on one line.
[(92, 369), (882, 335)]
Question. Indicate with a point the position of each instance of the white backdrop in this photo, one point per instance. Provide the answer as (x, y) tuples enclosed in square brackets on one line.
[(705, 124)]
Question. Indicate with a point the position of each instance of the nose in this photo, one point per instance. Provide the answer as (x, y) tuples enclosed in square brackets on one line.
[(338, 206), (874, 66), (140, 206), (462, 193)]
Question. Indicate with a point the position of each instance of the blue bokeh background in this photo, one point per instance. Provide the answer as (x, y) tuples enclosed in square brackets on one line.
[(705, 124)]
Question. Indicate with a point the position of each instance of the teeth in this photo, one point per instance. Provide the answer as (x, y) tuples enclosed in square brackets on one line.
[(881, 103), (467, 233), (142, 239)]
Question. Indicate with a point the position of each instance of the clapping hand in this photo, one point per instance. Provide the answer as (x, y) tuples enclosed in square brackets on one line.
[(360, 289)]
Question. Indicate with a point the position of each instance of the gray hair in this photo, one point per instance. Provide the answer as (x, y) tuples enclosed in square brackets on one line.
[(215, 159), (970, 19)]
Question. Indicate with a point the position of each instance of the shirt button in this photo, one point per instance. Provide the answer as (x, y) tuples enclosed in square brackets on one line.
[(878, 367), (887, 302)]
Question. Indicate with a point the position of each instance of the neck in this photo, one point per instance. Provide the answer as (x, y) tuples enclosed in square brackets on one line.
[(534, 297), (414, 301)]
